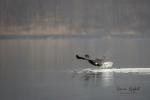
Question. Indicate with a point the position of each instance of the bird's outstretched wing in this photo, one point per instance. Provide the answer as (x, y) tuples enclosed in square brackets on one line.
[(78, 57)]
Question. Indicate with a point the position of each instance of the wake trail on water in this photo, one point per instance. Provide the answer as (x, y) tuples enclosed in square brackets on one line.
[(115, 70)]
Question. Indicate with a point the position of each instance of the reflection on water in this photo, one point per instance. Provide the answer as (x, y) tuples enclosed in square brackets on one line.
[(103, 79), (107, 78)]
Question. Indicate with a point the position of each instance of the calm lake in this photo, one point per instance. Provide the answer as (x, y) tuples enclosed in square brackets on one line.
[(41, 69)]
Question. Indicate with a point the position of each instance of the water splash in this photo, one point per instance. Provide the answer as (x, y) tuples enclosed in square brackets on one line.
[(115, 70)]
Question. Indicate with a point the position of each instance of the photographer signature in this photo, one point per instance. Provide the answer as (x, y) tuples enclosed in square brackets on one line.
[(128, 90)]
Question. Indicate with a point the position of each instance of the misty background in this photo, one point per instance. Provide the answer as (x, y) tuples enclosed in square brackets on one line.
[(49, 33), (118, 29), (79, 17), (40, 38)]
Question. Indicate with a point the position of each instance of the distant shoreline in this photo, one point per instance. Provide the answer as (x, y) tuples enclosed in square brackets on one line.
[(67, 36)]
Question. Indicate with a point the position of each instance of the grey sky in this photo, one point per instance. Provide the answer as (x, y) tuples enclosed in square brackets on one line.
[(115, 17)]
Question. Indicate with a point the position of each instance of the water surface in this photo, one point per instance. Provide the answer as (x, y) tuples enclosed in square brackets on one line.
[(41, 69)]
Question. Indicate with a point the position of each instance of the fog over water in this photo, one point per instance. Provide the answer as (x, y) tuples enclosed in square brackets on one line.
[(60, 53), (36, 69), (40, 38)]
